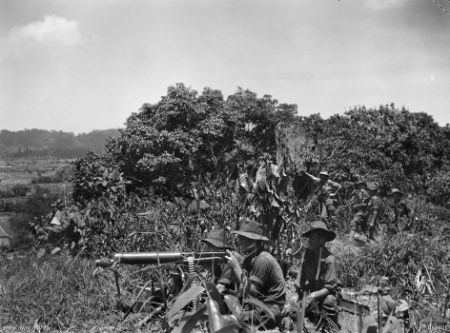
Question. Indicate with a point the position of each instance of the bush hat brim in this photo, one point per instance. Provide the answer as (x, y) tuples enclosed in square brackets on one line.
[(214, 242), (396, 190), (216, 238), (252, 230), (319, 226), (250, 235)]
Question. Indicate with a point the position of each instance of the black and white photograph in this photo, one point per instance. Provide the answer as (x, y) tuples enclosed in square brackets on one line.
[(225, 166)]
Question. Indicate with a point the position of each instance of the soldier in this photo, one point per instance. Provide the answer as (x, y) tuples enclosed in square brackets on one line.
[(324, 194), (221, 272), (263, 273), (359, 221), (360, 195), (317, 278), (374, 209), (401, 211)]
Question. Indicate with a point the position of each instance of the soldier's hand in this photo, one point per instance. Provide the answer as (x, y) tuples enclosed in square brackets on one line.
[(220, 288), (234, 262)]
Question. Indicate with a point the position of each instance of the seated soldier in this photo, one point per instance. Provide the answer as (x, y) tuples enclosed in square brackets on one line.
[(317, 278), (221, 271), (263, 273)]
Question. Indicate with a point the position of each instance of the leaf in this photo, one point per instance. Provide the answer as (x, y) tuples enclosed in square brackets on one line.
[(234, 306), (260, 180), (257, 303), (184, 299), (231, 328), (243, 181), (203, 205), (215, 319), (215, 295), (192, 321), (148, 317), (40, 253), (275, 170), (275, 203)]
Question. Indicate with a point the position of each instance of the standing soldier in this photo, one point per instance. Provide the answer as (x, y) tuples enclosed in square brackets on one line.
[(401, 211), (324, 195), (359, 221), (360, 195), (374, 209), (367, 214)]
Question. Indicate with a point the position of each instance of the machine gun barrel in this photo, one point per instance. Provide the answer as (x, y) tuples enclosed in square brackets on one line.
[(153, 258)]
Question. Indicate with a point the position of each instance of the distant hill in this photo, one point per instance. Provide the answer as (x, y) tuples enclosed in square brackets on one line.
[(37, 142)]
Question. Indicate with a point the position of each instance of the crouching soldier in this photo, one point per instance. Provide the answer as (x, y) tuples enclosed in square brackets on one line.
[(221, 272), (317, 280), (261, 271)]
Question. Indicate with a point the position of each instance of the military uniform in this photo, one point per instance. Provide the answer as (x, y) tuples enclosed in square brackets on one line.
[(374, 208), (322, 195), (265, 273), (318, 279), (400, 211), (365, 220), (221, 271), (315, 276)]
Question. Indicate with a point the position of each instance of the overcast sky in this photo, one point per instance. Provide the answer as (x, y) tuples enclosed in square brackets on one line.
[(88, 64)]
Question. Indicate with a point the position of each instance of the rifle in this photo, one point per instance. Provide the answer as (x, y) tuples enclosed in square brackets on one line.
[(157, 258)]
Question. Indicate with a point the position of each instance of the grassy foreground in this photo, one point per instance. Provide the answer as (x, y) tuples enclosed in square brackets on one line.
[(52, 294), (61, 293)]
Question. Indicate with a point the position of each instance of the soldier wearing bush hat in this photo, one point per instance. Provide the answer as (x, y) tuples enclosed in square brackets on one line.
[(324, 173), (222, 272), (400, 209), (374, 207), (323, 193), (259, 269), (216, 239), (396, 192), (317, 278)]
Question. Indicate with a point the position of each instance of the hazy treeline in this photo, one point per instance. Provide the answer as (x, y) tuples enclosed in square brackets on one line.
[(37, 142)]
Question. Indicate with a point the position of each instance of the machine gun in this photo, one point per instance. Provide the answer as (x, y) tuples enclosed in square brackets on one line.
[(163, 288), (158, 258)]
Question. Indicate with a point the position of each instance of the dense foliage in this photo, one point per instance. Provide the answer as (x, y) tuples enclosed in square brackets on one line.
[(187, 137), (199, 148)]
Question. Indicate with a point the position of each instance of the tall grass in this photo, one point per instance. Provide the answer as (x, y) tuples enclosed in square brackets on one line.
[(58, 292)]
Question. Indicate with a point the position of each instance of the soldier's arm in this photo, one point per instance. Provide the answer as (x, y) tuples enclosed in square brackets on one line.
[(259, 275), (336, 185), (314, 178), (235, 266), (376, 204), (322, 293)]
